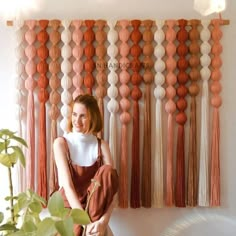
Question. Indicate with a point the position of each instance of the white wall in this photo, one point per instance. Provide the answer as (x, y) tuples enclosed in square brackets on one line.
[(150, 222)]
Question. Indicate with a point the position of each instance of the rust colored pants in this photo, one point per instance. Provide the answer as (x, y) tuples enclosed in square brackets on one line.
[(103, 196)]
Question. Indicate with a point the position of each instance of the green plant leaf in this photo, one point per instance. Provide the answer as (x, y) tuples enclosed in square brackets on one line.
[(20, 233), (5, 160), (29, 193), (1, 217), (38, 198), (7, 227), (65, 228), (56, 204), (8, 198), (31, 216), (2, 146), (46, 228), (35, 207), (13, 158), (6, 132), (22, 195), (22, 201), (29, 226), (80, 217), (63, 213), (19, 154), (19, 140)]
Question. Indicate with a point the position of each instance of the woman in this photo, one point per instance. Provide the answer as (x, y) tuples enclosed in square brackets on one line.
[(80, 156)]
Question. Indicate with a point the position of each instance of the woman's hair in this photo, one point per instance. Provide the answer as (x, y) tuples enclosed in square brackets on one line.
[(91, 105)]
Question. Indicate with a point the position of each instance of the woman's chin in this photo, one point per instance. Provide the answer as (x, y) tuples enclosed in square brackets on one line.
[(78, 129)]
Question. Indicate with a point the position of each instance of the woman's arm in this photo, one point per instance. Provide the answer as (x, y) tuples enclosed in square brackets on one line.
[(106, 153), (60, 154)]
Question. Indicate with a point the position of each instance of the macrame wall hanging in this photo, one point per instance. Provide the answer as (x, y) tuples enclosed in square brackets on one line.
[(146, 71)]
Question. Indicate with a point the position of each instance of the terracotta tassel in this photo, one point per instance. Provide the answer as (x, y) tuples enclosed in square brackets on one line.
[(181, 117), (136, 94), (203, 186), (43, 96), (101, 76), (215, 161), (170, 108), (30, 85), (180, 170), (192, 161), (159, 93), (54, 98), (77, 53), (125, 117), (194, 62), (123, 181), (89, 52), (148, 78), (216, 103)]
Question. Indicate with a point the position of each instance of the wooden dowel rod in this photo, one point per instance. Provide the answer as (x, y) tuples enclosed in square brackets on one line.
[(223, 22)]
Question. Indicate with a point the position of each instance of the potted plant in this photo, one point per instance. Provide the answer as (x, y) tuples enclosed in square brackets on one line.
[(26, 207)]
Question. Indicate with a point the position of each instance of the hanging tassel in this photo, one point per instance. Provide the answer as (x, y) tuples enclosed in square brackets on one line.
[(30, 85), (66, 83), (215, 162), (136, 94), (181, 117), (180, 170), (193, 91), (53, 177), (42, 155), (148, 79), (159, 93), (135, 170), (203, 186), (170, 108), (77, 53), (146, 173), (192, 160), (169, 162), (89, 52), (30, 154), (123, 181), (20, 177), (101, 76), (43, 96), (216, 103), (125, 117), (112, 91), (54, 98)]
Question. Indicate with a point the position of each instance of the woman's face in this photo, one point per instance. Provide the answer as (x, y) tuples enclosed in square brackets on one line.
[(80, 118)]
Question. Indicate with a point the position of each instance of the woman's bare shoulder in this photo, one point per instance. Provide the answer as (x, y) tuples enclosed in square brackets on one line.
[(59, 141)]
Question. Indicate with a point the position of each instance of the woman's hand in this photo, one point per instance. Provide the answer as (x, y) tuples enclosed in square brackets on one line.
[(97, 228)]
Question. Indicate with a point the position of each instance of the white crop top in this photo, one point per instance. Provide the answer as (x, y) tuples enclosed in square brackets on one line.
[(83, 148)]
